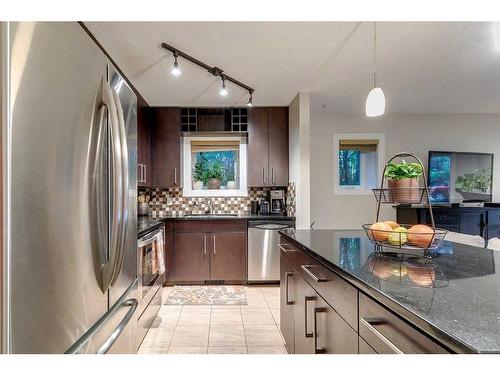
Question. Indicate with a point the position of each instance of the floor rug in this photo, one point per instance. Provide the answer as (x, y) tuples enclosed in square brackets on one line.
[(207, 295)]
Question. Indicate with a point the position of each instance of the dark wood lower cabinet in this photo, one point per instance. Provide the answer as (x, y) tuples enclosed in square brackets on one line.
[(228, 256), (364, 348), (304, 304), (192, 259), (287, 316), (332, 335)]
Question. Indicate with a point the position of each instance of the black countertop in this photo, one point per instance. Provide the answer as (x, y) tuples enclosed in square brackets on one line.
[(454, 297), (147, 223)]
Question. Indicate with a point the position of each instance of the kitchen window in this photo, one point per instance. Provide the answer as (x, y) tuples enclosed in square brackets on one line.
[(358, 163), (215, 166)]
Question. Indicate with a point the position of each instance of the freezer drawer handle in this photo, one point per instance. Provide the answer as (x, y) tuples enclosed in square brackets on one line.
[(369, 323), (133, 303), (307, 270)]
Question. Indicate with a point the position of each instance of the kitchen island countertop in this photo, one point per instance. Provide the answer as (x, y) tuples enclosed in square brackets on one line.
[(459, 307)]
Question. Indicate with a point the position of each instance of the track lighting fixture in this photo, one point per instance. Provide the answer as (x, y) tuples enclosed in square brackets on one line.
[(223, 91), (214, 70), (175, 70), (250, 100)]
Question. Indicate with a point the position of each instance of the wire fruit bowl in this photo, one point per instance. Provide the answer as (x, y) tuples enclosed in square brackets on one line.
[(406, 240)]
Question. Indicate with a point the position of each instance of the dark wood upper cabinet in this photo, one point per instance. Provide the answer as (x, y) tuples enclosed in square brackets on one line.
[(166, 147), (143, 144), (278, 146), (258, 147), (228, 256), (268, 146)]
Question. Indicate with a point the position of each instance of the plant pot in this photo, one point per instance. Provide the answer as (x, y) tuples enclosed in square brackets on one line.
[(404, 190), (198, 185), (231, 185), (213, 183)]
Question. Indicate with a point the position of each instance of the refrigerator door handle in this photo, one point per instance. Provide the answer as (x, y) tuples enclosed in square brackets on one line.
[(133, 303), (124, 185), (110, 268)]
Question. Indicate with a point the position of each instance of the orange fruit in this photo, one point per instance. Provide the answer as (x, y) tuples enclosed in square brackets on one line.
[(380, 231), (392, 224), (420, 235)]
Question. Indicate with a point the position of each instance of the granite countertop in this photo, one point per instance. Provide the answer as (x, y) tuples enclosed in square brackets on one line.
[(146, 223), (454, 297)]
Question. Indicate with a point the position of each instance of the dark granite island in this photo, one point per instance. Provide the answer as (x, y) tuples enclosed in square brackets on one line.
[(452, 299)]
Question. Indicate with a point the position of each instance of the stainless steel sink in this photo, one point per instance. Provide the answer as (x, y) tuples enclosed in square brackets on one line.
[(211, 215)]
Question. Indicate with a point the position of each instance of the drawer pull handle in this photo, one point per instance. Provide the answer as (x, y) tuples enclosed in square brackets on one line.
[(318, 310), (307, 270), (369, 323), (287, 275), (286, 250), (307, 299)]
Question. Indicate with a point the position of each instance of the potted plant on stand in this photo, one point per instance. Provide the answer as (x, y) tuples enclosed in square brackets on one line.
[(214, 175), (402, 180)]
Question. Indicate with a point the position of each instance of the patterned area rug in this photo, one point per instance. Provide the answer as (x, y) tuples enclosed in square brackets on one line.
[(207, 295)]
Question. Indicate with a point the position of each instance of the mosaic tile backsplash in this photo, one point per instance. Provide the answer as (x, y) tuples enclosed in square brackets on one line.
[(169, 201)]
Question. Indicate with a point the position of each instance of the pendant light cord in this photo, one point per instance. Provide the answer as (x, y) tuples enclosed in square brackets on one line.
[(374, 54)]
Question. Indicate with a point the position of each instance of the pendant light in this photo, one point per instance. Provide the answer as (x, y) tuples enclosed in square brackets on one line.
[(375, 102), (175, 70)]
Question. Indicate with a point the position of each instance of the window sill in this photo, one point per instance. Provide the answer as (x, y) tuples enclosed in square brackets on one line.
[(214, 193), (354, 192)]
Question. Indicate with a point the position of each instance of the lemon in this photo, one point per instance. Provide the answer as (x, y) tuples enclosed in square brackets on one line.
[(398, 236)]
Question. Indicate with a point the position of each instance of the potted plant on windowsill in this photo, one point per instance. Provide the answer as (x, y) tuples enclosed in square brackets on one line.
[(402, 180), (198, 176), (214, 175)]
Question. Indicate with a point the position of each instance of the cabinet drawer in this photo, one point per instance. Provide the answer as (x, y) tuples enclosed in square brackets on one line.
[(493, 217), (210, 226), (339, 294), (388, 334), (287, 250)]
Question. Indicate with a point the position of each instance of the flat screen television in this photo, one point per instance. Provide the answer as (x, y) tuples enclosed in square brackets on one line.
[(460, 176)]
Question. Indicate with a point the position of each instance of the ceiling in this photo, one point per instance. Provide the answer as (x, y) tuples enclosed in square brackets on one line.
[(423, 67)]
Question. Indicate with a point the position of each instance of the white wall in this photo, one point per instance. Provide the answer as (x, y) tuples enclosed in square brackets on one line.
[(416, 133), (299, 156)]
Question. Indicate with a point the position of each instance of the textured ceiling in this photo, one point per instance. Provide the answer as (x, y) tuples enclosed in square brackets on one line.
[(423, 67)]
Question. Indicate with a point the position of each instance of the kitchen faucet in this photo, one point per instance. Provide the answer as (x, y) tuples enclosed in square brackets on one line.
[(209, 206)]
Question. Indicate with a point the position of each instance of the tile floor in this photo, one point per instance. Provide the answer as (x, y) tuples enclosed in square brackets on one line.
[(249, 329)]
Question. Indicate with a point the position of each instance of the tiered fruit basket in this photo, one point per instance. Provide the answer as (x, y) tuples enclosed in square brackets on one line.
[(403, 238)]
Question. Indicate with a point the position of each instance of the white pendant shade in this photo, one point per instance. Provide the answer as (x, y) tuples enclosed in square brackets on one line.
[(375, 102)]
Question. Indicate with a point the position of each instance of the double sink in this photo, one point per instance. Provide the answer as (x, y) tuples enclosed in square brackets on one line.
[(211, 215)]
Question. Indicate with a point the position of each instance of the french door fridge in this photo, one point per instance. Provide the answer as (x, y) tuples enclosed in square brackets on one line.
[(69, 262)]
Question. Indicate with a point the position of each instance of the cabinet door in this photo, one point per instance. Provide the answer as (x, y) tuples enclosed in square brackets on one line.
[(304, 304), (287, 317), (258, 147), (191, 258), (332, 335), (228, 253), (473, 222), (278, 146), (166, 147), (143, 144)]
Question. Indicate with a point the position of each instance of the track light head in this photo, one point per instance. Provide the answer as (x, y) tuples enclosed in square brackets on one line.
[(175, 70), (250, 100), (223, 91)]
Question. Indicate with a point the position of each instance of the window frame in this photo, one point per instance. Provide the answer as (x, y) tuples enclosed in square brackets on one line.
[(188, 190), (353, 190)]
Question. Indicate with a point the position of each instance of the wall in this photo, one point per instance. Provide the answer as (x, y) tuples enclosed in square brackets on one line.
[(417, 133), (299, 154)]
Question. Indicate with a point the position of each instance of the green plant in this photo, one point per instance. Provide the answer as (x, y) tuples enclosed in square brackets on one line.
[(214, 170), (473, 181), (199, 172), (398, 171)]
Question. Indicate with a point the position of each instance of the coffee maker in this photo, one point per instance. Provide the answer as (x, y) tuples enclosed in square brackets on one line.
[(277, 200)]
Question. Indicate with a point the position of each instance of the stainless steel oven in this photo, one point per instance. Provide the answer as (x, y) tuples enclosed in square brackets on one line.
[(150, 266)]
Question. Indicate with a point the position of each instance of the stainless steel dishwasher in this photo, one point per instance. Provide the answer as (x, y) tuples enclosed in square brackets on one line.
[(263, 249)]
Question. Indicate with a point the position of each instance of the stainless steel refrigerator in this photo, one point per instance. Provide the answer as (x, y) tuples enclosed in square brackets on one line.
[(69, 151)]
